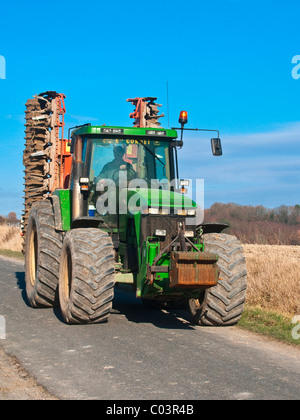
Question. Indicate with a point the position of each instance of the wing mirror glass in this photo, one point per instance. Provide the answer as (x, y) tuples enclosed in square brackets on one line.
[(216, 147)]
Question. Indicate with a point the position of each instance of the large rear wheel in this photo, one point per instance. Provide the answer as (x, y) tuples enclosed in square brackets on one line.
[(42, 256), (224, 303), (86, 278)]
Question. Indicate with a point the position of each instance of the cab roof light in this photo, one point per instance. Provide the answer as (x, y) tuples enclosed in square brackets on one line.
[(183, 118)]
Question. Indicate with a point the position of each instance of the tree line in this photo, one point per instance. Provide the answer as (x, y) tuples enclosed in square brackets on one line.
[(251, 224), (10, 219), (258, 224)]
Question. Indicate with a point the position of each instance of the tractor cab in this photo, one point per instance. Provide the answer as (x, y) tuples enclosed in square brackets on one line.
[(108, 160)]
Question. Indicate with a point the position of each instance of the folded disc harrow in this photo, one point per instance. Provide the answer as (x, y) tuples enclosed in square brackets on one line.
[(43, 148)]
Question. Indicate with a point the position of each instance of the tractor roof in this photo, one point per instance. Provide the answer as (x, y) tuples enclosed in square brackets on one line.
[(105, 130)]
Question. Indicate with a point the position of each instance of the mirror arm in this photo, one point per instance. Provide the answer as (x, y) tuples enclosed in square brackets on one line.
[(195, 129), (216, 152)]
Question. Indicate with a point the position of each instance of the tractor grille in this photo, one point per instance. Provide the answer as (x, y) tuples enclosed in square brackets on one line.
[(149, 224)]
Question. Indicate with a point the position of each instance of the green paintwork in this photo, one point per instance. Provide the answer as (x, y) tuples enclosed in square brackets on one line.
[(142, 270), (162, 198), (199, 246), (127, 131), (65, 199)]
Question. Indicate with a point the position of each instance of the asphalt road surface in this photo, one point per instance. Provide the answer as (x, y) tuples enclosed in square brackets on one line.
[(141, 353)]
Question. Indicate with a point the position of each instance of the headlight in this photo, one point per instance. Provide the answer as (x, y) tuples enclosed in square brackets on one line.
[(84, 184), (153, 210), (160, 232), (165, 211), (189, 234), (185, 212), (191, 212), (84, 180), (181, 212)]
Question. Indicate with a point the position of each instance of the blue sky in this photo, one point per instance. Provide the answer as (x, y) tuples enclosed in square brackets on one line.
[(227, 62)]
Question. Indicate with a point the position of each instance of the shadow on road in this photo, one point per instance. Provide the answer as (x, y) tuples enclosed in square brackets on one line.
[(20, 276), (125, 303), (135, 311)]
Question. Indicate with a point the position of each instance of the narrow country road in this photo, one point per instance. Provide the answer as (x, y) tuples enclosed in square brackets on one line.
[(141, 353)]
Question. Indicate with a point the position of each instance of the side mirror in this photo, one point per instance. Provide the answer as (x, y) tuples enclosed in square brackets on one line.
[(216, 147)]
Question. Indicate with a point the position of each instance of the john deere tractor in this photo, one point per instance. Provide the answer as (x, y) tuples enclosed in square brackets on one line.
[(105, 207)]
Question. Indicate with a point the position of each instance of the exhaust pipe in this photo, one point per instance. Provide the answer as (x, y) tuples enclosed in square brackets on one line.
[(77, 197)]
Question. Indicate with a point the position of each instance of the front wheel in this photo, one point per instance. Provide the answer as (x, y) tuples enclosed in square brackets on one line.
[(223, 304), (86, 277)]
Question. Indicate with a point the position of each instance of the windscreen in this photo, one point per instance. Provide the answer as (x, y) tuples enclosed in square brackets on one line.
[(143, 159)]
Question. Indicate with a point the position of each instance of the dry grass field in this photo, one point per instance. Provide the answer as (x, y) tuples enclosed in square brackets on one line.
[(273, 272), (274, 277), (10, 238)]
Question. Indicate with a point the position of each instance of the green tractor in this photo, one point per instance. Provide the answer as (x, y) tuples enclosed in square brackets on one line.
[(105, 207)]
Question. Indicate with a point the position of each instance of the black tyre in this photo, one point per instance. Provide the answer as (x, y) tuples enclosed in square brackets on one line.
[(223, 304), (42, 255), (86, 278)]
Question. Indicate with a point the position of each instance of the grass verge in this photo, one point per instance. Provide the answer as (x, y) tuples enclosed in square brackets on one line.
[(270, 323), (11, 254)]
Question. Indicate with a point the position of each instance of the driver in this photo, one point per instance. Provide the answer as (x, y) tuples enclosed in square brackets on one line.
[(116, 165)]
